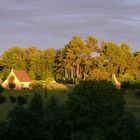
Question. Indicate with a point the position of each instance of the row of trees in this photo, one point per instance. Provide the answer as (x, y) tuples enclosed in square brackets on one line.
[(94, 111), (39, 64), (78, 60)]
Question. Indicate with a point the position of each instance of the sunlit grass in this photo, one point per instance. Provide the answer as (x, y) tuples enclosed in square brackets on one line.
[(60, 91), (4, 109)]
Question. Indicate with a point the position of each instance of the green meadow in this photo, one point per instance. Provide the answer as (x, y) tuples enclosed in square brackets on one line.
[(61, 91), (132, 103)]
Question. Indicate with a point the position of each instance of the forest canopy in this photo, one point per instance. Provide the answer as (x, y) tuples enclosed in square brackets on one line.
[(78, 60)]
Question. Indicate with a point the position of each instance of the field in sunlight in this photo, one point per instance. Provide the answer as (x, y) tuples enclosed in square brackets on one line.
[(60, 91)]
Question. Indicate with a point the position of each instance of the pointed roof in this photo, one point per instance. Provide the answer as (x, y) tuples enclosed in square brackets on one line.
[(22, 75)]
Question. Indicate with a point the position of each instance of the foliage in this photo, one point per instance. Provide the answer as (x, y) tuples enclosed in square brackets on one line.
[(19, 126), (127, 125), (11, 83), (12, 99), (78, 60), (2, 99), (56, 120), (50, 80), (21, 100), (13, 58), (98, 75), (25, 123), (1, 90), (36, 84), (75, 59), (96, 108), (36, 105), (137, 93)]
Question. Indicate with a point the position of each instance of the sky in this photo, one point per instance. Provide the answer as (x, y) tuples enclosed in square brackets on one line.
[(52, 23)]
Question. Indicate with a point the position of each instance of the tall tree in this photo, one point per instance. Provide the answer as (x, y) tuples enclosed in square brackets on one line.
[(13, 58), (117, 59), (76, 57), (47, 58), (33, 61), (97, 112)]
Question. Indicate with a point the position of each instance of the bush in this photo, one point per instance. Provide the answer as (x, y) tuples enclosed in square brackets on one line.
[(21, 100), (12, 99), (1, 89), (27, 96), (11, 83), (36, 84), (95, 105), (137, 93), (67, 81), (36, 105), (2, 99), (50, 80), (131, 84)]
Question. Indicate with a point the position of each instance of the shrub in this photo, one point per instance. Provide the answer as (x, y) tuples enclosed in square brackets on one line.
[(36, 105), (36, 84), (2, 99), (1, 89), (95, 105), (137, 93), (12, 99), (27, 96), (21, 100), (50, 80), (131, 84), (11, 85)]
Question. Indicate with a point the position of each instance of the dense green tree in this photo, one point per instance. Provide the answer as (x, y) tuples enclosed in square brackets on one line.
[(126, 127), (75, 59), (117, 59), (95, 111), (137, 56), (13, 58), (38, 63), (17, 126), (33, 62), (36, 106), (97, 74), (25, 123), (78, 60), (47, 62), (56, 122)]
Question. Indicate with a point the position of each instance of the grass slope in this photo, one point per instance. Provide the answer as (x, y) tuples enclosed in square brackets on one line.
[(132, 103), (60, 91)]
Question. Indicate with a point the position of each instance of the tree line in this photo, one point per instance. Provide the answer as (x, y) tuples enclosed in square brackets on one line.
[(78, 60)]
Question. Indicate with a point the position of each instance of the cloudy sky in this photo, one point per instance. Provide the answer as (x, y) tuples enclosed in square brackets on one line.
[(52, 23)]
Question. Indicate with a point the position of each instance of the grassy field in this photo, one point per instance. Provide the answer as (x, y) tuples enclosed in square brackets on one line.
[(132, 103), (61, 91)]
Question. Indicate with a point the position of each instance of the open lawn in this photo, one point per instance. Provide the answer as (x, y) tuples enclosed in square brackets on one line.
[(60, 91)]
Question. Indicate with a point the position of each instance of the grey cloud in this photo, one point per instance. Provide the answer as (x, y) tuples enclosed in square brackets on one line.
[(54, 22)]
